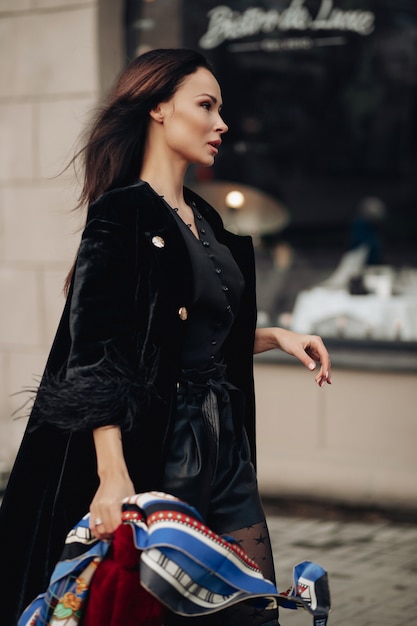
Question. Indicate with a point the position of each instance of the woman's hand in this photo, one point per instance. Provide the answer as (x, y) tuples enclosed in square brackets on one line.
[(106, 506), (309, 349), (115, 483)]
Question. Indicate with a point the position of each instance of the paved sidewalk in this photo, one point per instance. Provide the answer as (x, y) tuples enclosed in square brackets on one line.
[(372, 567)]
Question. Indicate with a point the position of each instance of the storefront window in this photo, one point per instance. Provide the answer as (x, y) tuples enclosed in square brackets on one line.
[(320, 98)]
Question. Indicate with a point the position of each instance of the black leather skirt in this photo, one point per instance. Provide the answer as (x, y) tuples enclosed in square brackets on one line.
[(208, 461)]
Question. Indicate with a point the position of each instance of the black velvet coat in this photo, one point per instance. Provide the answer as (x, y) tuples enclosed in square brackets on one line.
[(114, 360)]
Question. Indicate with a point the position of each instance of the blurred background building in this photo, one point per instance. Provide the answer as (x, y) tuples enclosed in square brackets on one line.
[(319, 166)]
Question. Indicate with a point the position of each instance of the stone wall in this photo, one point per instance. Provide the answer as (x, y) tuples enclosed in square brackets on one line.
[(353, 441), (49, 81)]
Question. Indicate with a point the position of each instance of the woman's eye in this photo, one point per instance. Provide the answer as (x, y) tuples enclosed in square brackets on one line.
[(206, 105)]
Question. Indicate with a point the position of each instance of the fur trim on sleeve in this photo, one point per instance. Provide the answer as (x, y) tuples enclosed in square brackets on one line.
[(103, 394)]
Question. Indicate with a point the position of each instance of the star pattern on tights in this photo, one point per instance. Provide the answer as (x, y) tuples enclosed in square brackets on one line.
[(261, 539)]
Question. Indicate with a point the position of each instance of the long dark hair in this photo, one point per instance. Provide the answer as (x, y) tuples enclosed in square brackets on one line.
[(112, 156), (113, 150)]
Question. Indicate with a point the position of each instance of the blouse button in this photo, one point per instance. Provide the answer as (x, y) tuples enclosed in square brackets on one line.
[(225, 288), (214, 342), (218, 270), (228, 308), (206, 243), (198, 216), (203, 230)]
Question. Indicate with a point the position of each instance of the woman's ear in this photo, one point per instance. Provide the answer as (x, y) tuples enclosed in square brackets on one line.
[(157, 114)]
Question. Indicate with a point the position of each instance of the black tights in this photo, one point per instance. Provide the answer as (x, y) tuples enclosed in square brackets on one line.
[(256, 543)]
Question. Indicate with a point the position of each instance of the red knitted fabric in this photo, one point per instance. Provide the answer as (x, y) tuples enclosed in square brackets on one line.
[(116, 597)]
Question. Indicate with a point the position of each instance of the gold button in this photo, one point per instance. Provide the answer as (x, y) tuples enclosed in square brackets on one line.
[(183, 313), (158, 242)]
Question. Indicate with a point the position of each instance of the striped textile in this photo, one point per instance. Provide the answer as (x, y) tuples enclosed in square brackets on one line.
[(181, 564)]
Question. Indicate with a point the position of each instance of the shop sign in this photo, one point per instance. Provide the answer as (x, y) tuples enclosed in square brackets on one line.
[(226, 24)]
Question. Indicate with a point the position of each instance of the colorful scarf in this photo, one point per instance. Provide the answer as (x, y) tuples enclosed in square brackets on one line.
[(162, 555)]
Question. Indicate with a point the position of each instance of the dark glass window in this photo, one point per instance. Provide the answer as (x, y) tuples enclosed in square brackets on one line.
[(320, 99)]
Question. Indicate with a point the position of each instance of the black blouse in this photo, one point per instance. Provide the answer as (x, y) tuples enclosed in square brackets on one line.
[(218, 285)]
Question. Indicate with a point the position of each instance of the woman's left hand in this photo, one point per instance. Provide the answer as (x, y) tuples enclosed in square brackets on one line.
[(309, 349)]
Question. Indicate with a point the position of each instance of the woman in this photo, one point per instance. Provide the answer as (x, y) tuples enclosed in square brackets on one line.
[(149, 382)]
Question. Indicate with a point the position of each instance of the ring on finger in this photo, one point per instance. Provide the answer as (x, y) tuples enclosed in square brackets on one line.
[(98, 521)]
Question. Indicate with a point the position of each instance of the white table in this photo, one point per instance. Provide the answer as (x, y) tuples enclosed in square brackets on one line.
[(335, 312)]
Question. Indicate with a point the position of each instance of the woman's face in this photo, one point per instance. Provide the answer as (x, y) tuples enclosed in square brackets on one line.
[(191, 119)]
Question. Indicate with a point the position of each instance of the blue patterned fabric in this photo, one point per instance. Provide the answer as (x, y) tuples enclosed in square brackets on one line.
[(186, 566)]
